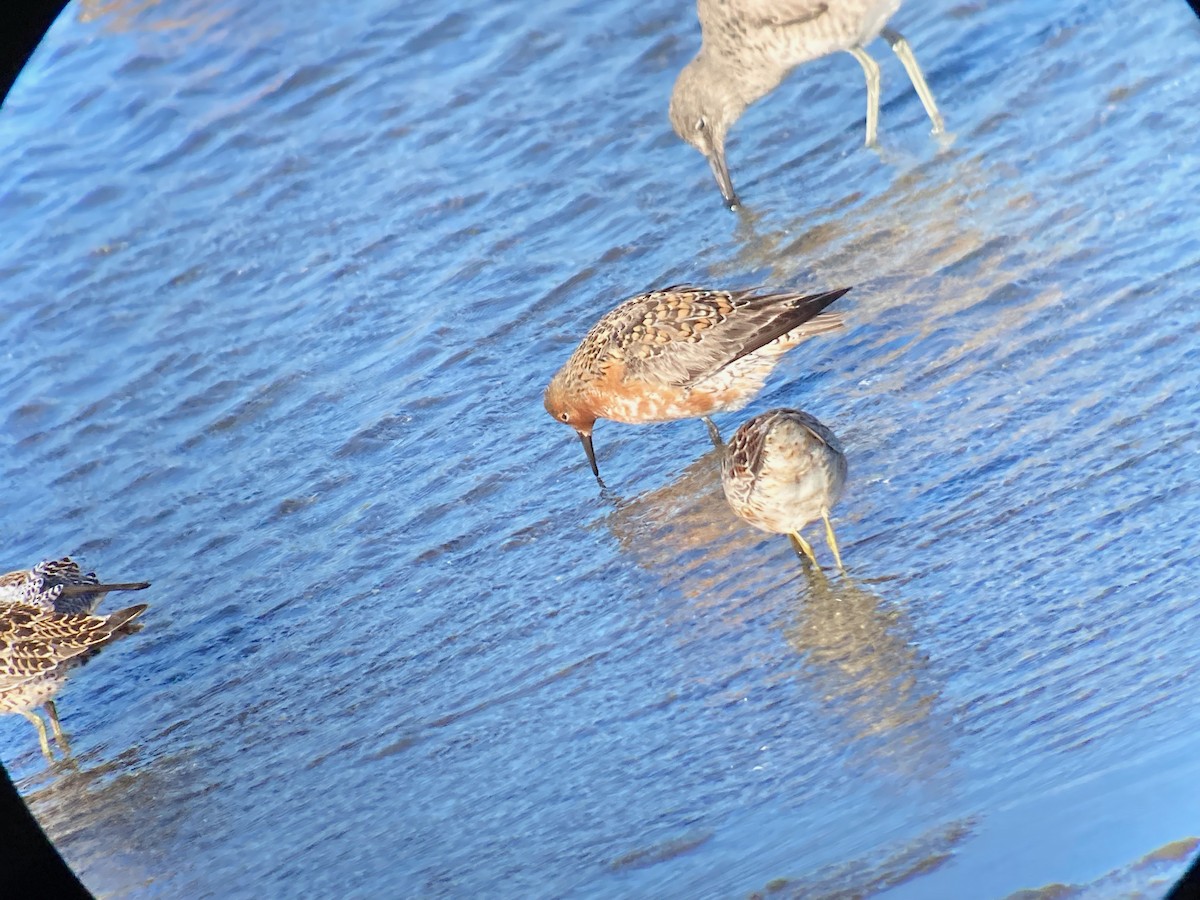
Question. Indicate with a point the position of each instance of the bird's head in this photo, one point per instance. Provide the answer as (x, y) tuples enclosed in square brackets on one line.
[(701, 113), (568, 407)]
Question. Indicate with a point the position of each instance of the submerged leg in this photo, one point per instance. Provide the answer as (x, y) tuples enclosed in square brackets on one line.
[(837, 556), (59, 737), (871, 70), (713, 432), (901, 48), (41, 730), (802, 546)]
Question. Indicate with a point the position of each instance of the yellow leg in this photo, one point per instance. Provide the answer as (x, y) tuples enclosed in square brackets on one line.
[(41, 730), (802, 546), (871, 70), (901, 48), (59, 737), (837, 556)]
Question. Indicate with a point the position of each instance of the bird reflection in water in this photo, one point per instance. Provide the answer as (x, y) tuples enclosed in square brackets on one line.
[(684, 531), (859, 660), (853, 651), (931, 214), (93, 803)]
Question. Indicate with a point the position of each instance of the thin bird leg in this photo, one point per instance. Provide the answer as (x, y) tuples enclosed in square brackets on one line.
[(41, 730), (901, 48), (802, 546), (871, 70), (59, 737), (713, 432), (837, 556)]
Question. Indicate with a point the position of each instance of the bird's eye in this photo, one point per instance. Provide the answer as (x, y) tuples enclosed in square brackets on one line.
[(701, 124), (566, 417)]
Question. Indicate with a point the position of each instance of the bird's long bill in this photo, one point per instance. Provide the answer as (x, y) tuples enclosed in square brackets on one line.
[(716, 162), (586, 440), (77, 590)]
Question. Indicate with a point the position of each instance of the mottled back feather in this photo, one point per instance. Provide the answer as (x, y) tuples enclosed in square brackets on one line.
[(34, 641), (683, 334)]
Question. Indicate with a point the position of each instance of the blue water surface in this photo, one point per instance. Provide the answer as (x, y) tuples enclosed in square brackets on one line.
[(282, 287)]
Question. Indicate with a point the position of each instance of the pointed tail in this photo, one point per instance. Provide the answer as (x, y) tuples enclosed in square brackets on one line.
[(121, 622)]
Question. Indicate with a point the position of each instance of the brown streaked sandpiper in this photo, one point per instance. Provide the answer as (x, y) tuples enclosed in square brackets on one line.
[(784, 469), (38, 649)]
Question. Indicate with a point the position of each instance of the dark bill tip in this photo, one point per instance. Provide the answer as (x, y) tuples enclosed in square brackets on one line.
[(721, 173), (586, 440)]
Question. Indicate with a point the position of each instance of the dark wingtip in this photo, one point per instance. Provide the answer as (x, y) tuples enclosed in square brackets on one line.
[(836, 293), (122, 620), (818, 302)]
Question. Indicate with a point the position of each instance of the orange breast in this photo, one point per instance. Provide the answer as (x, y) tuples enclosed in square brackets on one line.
[(636, 402)]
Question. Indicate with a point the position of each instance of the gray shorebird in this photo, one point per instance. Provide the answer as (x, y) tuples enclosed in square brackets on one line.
[(679, 353), (59, 585), (39, 648), (782, 470), (749, 47)]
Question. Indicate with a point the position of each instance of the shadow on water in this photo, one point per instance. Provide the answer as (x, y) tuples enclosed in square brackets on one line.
[(680, 527), (883, 713), (934, 213), (872, 697), (133, 16), (1149, 875), (858, 658), (96, 808), (868, 876)]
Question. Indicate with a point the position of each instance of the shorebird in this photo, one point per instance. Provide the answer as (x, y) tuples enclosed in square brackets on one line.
[(59, 585), (38, 649), (782, 470), (679, 353), (749, 47)]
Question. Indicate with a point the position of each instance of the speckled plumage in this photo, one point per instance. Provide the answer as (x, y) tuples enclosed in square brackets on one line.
[(59, 585), (39, 648), (750, 46), (681, 352), (782, 470)]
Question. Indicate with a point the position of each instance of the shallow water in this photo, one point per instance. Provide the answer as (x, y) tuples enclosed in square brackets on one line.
[(282, 292)]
